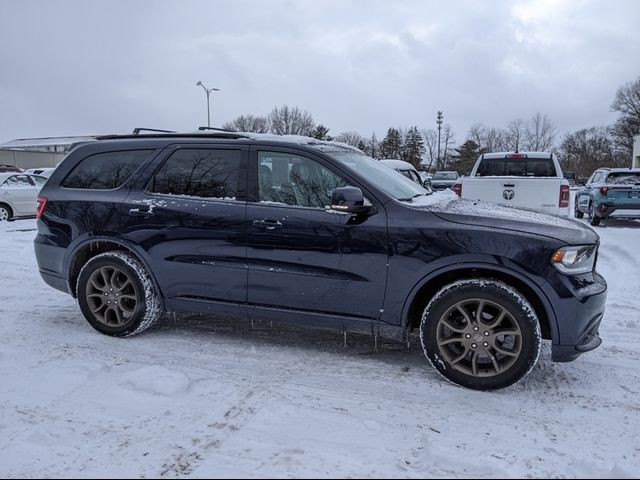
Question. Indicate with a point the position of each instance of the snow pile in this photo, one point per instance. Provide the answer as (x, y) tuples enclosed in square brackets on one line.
[(441, 198), (205, 397)]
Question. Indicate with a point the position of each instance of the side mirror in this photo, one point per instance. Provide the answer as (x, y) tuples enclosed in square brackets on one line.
[(349, 200), (427, 184)]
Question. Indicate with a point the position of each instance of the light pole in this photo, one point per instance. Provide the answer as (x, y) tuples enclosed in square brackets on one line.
[(208, 92), (439, 122)]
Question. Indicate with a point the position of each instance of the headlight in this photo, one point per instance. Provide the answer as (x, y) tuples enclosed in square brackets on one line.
[(575, 260)]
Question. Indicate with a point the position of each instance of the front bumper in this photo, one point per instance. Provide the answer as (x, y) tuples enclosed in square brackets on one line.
[(579, 305)]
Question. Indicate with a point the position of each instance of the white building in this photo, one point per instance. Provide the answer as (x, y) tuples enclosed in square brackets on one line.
[(37, 152), (636, 151)]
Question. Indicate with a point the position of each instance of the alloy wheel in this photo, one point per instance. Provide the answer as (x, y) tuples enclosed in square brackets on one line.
[(479, 338), (4, 214), (111, 296)]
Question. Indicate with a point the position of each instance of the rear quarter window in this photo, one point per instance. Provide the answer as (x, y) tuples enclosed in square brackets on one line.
[(624, 178), (105, 171)]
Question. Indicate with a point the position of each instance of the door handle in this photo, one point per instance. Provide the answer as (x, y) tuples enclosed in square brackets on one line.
[(138, 212), (267, 224)]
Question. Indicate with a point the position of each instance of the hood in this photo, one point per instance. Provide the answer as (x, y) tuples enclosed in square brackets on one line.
[(492, 215)]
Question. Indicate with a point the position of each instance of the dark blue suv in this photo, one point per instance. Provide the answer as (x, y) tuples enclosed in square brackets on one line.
[(314, 233)]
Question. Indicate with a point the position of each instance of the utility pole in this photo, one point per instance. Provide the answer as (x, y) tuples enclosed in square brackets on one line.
[(208, 92), (439, 122)]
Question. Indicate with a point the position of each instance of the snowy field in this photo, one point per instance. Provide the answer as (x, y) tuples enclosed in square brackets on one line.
[(215, 398)]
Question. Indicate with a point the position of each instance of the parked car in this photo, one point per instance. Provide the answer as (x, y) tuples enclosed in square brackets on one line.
[(9, 169), (406, 169), (609, 193), (317, 234), (443, 180), (43, 172), (18, 195), (531, 180)]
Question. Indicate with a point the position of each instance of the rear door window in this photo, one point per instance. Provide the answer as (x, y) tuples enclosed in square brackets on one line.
[(199, 173), (105, 171)]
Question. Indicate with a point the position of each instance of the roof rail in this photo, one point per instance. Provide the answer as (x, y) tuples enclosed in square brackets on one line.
[(167, 135), (137, 130), (215, 129)]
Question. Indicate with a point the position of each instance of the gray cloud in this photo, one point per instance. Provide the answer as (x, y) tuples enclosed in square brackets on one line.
[(98, 67)]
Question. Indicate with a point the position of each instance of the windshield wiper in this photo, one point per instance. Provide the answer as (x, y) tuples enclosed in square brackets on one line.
[(411, 198)]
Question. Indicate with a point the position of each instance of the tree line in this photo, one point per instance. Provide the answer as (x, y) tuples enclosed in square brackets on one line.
[(581, 151)]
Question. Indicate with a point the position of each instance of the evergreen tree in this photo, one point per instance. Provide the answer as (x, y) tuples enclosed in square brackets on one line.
[(413, 149), (466, 156), (391, 146), (321, 133)]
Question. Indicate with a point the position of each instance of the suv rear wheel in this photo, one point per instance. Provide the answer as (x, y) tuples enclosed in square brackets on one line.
[(117, 296), (480, 334), (593, 218), (576, 210)]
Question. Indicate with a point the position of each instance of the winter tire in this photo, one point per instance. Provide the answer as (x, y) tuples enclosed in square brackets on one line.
[(117, 296), (576, 210), (593, 218), (5, 213), (480, 334)]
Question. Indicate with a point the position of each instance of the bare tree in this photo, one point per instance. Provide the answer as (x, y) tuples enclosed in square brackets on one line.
[(627, 103), (248, 123), (430, 137), (291, 121), (514, 135), (589, 149), (490, 139), (447, 141), (351, 138), (540, 134)]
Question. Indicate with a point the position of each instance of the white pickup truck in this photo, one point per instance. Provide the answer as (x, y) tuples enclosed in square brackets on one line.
[(530, 179)]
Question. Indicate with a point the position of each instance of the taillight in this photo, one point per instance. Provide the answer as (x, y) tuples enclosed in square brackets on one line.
[(564, 196), (604, 191), (42, 204), (516, 155), (458, 189)]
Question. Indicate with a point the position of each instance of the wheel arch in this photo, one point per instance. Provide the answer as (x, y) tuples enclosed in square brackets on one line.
[(9, 207), (422, 293), (90, 248)]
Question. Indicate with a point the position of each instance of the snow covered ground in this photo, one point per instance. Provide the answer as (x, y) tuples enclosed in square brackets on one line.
[(215, 398)]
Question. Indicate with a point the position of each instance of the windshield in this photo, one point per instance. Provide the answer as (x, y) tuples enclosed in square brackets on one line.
[(624, 178), (388, 180), (445, 176)]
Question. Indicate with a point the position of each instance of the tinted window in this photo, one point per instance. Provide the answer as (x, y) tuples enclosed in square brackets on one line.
[(500, 167), (105, 171), (295, 180), (624, 178), (199, 173)]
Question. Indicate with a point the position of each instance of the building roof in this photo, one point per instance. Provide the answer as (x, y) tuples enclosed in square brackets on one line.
[(43, 143)]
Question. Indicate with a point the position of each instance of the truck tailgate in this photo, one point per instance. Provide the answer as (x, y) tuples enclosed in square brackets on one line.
[(536, 193)]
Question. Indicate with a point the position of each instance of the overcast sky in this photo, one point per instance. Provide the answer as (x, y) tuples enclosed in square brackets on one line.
[(73, 68)]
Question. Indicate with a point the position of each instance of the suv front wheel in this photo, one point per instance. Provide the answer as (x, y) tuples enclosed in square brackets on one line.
[(117, 295), (481, 334)]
